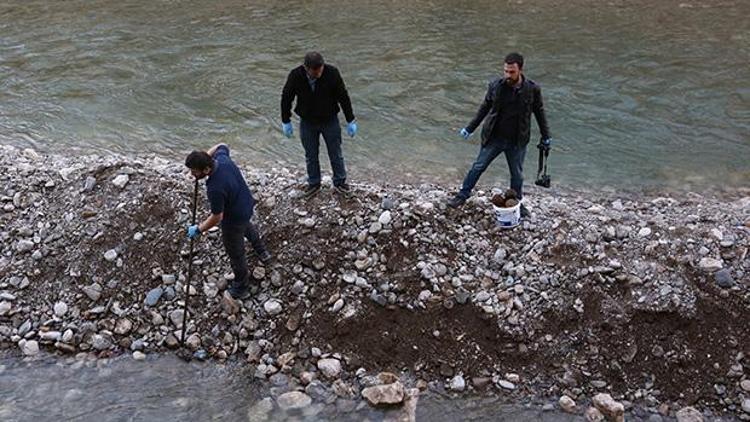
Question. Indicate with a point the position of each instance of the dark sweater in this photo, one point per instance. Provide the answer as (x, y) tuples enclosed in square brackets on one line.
[(319, 105)]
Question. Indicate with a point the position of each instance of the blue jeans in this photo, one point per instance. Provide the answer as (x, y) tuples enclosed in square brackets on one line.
[(514, 155), (310, 135)]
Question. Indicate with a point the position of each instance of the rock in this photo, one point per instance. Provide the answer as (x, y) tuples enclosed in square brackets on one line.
[(458, 383), (123, 326), (644, 232), (331, 368), (724, 278), (689, 414), (567, 404), (388, 203), (153, 296), (293, 400), (137, 355), (746, 405), (337, 306), (94, 291), (121, 180), (61, 308), (110, 255), (29, 347), (176, 317), (4, 308), (171, 341), (101, 342), (260, 410), (507, 385), (193, 341), (387, 394), (272, 307), (385, 218), (229, 304), (24, 246), (375, 227), (593, 415), (745, 385), (710, 264), (613, 410)]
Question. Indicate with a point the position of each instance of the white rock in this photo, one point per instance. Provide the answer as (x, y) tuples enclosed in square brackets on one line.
[(387, 394), (644, 232), (385, 218), (24, 245), (506, 385), (609, 407), (746, 405), (745, 384), (458, 383), (710, 264), (717, 234), (331, 368), (689, 414), (61, 308), (293, 400), (29, 347), (4, 308), (338, 305), (272, 307), (567, 404), (110, 255), (138, 355), (121, 180)]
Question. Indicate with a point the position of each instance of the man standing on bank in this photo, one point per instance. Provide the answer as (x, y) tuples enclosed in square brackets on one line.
[(507, 106), (231, 205), (320, 90)]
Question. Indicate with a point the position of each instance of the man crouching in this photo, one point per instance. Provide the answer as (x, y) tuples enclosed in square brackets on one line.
[(231, 205)]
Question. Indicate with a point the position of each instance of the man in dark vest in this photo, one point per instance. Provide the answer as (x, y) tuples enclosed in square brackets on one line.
[(506, 111), (232, 205), (321, 94)]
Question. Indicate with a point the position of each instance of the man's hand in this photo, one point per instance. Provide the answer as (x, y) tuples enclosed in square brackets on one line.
[(464, 133), (351, 128), (193, 231), (287, 129)]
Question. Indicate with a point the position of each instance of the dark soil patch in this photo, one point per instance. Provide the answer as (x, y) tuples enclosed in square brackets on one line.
[(681, 355), (400, 339)]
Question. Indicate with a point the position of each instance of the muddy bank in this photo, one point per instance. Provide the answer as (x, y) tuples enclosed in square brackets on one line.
[(642, 297)]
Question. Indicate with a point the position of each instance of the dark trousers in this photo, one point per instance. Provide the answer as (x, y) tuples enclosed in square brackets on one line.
[(233, 236), (514, 155), (310, 132)]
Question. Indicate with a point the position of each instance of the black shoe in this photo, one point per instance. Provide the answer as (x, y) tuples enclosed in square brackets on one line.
[(344, 189), (265, 257), (239, 293), (456, 201), (525, 212), (311, 190)]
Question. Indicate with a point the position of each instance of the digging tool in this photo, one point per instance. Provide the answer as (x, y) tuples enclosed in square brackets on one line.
[(184, 354)]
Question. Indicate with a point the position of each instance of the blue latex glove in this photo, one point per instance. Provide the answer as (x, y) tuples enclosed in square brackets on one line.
[(193, 232), (547, 142), (287, 129), (351, 128), (464, 133)]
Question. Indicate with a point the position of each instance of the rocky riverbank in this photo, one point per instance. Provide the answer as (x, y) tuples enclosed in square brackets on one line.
[(604, 299)]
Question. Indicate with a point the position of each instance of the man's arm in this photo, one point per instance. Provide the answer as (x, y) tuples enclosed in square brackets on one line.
[(342, 95), (541, 118), (287, 97), (483, 109), (211, 221)]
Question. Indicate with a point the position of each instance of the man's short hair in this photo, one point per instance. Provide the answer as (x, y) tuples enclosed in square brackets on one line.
[(514, 58), (313, 60), (199, 160)]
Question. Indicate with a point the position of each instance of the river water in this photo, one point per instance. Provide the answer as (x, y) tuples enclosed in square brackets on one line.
[(638, 93), (164, 388)]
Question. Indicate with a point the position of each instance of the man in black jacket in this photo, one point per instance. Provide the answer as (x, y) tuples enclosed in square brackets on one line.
[(507, 106), (320, 90)]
